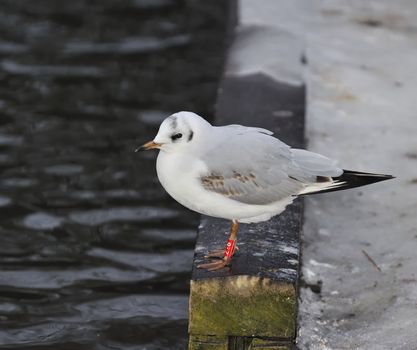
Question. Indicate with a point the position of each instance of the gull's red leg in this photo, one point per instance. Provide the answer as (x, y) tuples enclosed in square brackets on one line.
[(227, 253)]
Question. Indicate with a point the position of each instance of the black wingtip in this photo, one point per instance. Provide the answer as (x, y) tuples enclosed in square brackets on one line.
[(365, 177), (351, 179)]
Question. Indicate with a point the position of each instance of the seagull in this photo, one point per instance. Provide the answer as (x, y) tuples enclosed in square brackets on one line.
[(240, 173)]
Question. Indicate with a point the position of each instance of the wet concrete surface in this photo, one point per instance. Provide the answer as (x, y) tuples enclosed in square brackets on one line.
[(93, 253)]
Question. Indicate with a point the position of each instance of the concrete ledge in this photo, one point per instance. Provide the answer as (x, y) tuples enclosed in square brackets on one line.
[(253, 305), (257, 297)]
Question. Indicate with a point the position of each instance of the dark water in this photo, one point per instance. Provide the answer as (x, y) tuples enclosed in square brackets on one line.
[(93, 253)]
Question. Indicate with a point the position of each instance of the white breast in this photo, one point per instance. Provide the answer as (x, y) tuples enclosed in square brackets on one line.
[(179, 175)]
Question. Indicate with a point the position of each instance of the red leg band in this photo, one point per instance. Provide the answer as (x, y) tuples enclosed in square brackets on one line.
[(230, 246)]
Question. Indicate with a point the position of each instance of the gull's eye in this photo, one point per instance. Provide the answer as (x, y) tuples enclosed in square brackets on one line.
[(176, 136)]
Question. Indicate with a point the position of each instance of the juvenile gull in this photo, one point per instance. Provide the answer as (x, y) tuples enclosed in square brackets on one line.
[(240, 173)]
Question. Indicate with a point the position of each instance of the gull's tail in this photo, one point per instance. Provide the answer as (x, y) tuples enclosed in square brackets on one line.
[(348, 179)]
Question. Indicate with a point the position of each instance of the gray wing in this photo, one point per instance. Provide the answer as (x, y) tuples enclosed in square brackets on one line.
[(312, 165), (252, 167)]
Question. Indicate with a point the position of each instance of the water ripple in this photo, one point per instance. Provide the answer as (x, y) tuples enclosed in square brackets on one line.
[(174, 262), (12, 67), (64, 169), (100, 216), (4, 201), (52, 279), (42, 221), (126, 46), (175, 306)]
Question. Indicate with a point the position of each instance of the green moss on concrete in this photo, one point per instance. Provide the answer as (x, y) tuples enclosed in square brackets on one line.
[(205, 342), (242, 306), (264, 344)]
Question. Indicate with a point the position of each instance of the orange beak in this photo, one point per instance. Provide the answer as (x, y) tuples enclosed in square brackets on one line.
[(147, 146)]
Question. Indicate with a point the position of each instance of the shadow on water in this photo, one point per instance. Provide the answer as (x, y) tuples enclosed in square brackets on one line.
[(93, 253)]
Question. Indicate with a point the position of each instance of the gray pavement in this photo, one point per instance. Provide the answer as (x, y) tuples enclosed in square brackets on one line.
[(362, 244)]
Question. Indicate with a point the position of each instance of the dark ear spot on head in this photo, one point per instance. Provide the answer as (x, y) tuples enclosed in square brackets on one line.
[(190, 136)]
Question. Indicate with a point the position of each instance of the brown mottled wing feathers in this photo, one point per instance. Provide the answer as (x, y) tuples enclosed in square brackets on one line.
[(246, 187)]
